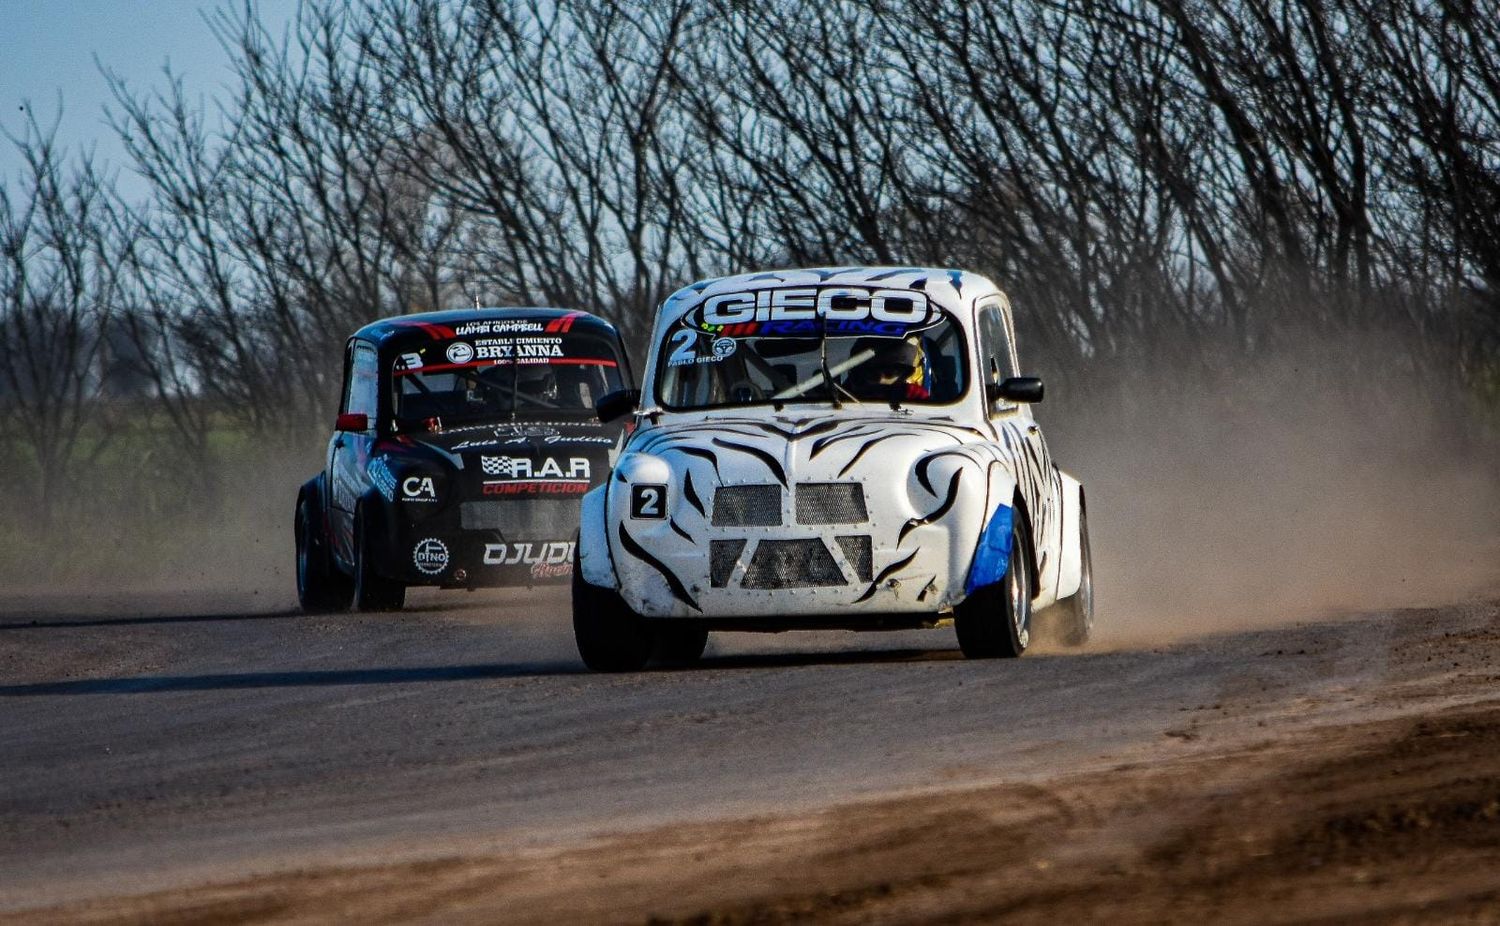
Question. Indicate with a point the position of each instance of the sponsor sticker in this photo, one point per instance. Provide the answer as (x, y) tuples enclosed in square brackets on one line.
[(418, 489), (579, 439), (523, 476), (846, 311), (430, 556), (495, 327), (518, 348), (382, 478), (527, 468), (547, 560), (535, 487), (460, 352)]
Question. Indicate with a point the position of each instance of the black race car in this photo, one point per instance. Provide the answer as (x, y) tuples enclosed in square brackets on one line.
[(463, 443)]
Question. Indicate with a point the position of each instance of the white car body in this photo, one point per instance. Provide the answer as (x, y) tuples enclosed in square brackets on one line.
[(933, 479)]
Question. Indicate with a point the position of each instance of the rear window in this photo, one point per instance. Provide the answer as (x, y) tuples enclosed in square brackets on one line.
[(488, 373)]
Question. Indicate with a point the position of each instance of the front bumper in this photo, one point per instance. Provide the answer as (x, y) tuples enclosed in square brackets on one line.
[(790, 577)]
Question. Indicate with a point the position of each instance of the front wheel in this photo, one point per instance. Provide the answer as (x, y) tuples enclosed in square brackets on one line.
[(321, 587), (995, 621), (680, 646), (610, 636)]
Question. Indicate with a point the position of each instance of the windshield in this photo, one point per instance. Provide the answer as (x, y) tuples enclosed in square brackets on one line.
[(918, 358), (501, 377)]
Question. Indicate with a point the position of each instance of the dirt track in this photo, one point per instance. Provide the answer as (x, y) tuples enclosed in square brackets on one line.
[(188, 761)]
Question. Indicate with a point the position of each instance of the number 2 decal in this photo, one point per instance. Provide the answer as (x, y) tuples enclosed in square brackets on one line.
[(648, 501), (683, 354)]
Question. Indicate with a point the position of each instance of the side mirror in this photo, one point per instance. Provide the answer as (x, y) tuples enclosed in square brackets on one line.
[(1015, 389), (617, 404), (352, 421)]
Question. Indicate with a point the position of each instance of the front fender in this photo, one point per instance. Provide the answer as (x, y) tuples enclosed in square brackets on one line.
[(991, 555), (595, 564)]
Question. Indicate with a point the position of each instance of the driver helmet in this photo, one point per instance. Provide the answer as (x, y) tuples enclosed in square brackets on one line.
[(538, 381), (895, 360)]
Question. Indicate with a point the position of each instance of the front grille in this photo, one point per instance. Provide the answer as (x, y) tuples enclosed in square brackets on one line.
[(831, 503), (792, 564), (747, 506), (857, 552), (522, 519), (722, 555)]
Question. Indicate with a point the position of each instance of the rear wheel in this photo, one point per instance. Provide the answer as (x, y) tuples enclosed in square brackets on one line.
[(372, 591), (610, 636), (321, 587), (1076, 613), (995, 621)]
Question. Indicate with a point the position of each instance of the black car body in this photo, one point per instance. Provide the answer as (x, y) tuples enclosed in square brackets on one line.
[(464, 442)]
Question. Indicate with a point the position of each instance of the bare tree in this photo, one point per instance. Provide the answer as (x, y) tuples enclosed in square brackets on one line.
[(58, 279)]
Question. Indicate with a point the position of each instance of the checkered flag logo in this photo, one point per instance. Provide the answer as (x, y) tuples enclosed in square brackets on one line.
[(501, 466)]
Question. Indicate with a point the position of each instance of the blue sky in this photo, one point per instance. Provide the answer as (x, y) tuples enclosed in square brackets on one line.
[(48, 47)]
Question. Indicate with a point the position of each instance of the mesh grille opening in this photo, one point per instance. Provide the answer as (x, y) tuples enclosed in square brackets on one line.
[(747, 506), (538, 519), (722, 555), (857, 552), (831, 503), (792, 564)]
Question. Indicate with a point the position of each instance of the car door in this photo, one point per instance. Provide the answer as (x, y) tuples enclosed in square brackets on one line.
[(348, 451), (1015, 425)]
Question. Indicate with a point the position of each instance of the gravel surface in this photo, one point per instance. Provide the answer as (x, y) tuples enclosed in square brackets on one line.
[(202, 753)]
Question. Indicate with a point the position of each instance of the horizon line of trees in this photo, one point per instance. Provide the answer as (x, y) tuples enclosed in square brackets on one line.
[(1154, 181)]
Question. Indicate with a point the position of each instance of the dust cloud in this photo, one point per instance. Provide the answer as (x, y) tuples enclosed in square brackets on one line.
[(1282, 493), (1217, 502), (139, 542)]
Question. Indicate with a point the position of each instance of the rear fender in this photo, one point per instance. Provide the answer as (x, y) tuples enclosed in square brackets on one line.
[(375, 516), (1070, 563), (313, 495)]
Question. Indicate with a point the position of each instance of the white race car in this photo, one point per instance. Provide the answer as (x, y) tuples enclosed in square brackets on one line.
[(830, 448)]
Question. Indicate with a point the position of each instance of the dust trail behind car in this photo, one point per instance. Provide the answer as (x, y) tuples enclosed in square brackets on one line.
[(1272, 495)]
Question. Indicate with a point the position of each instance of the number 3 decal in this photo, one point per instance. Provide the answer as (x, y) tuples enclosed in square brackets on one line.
[(648, 501)]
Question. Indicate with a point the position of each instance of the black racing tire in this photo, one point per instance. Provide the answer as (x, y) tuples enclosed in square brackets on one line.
[(610, 636), (995, 621), (1076, 612), (680, 646), (372, 591), (321, 587)]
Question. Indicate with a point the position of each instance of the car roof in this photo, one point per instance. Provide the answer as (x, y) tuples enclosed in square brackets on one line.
[(441, 325), (950, 288)]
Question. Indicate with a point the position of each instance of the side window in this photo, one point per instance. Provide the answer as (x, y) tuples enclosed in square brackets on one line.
[(361, 391), (996, 351)]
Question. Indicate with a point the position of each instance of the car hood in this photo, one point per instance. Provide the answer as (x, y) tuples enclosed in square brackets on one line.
[(826, 448)]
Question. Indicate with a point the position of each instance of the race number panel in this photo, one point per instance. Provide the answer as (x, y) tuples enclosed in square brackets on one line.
[(648, 502)]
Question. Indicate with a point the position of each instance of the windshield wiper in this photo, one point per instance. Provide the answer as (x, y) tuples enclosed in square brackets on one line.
[(833, 395), (825, 375)]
